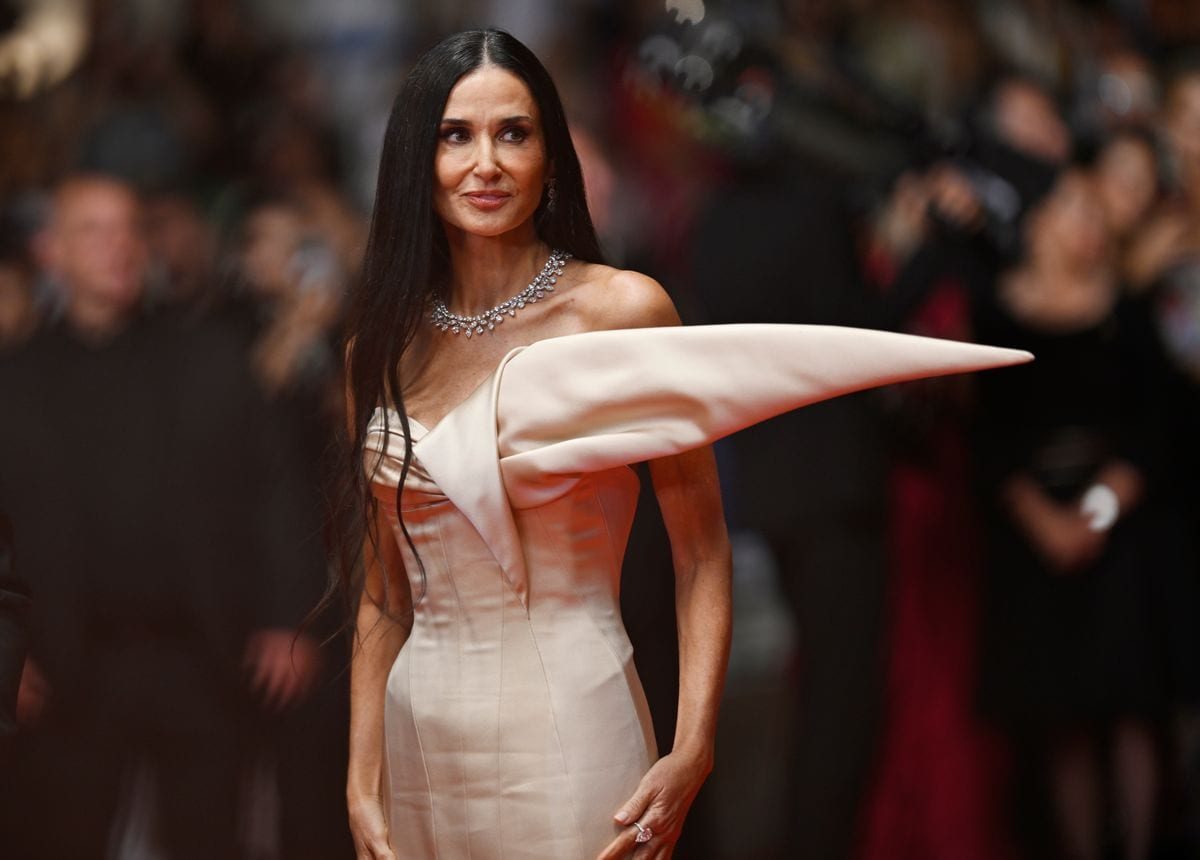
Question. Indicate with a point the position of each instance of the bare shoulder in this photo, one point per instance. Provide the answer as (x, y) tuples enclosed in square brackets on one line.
[(610, 298)]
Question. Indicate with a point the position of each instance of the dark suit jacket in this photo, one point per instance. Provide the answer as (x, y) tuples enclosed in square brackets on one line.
[(14, 607), (160, 516), (780, 248)]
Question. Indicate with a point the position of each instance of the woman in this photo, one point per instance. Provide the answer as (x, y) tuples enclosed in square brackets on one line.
[(495, 708), (1074, 641)]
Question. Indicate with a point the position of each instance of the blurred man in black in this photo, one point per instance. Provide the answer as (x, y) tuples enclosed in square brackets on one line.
[(778, 246), (154, 513)]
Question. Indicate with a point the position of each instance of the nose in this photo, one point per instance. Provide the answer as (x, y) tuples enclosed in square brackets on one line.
[(486, 164)]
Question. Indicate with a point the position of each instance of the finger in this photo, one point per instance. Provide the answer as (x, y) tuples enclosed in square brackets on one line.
[(273, 683), (381, 850), (260, 671), (276, 698), (663, 835), (633, 808), (374, 849), (652, 850), (620, 847), (291, 691), (285, 683), (281, 684)]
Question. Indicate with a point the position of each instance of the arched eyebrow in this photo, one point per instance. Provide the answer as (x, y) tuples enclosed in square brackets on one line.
[(507, 120)]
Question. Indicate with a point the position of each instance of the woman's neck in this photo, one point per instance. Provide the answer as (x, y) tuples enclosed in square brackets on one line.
[(484, 271)]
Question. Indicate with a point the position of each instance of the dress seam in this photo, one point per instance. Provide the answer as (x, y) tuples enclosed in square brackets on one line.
[(462, 753), (501, 586), (557, 737), (424, 763)]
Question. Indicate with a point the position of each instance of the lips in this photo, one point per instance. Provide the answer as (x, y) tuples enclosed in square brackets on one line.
[(487, 199)]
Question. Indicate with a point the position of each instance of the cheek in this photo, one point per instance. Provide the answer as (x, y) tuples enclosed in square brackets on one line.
[(447, 171), (531, 167)]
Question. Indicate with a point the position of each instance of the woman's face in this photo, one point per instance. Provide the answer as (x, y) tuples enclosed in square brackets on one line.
[(1183, 127), (1126, 173), (1070, 225), (490, 167), (271, 235)]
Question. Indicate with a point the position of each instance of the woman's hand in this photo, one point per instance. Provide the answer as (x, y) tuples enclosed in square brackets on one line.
[(32, 694), (1155, 247), (660, 805), (1060, 534), (283, 666), (1065, 539), (369, 828)]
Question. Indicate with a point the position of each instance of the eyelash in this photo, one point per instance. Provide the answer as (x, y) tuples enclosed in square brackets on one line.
[(521, 134)]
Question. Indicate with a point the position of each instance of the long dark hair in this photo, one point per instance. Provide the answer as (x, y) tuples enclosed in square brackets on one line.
[(407, 260)]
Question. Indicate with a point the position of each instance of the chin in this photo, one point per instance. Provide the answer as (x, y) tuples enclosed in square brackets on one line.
[(491, 226), (122, 294)]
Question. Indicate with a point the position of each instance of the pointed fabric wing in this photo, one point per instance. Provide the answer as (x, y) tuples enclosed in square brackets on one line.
[(583, 403)]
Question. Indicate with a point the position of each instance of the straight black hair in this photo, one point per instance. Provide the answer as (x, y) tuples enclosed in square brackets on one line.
[(406, 265)]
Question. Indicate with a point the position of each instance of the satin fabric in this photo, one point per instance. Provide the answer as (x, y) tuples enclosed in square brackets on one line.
[(515, 723)]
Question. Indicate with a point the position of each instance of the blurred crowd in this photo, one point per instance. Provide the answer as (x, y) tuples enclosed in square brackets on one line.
[(990, 587)]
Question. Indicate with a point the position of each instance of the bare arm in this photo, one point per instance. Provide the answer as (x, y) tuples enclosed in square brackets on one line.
[(690, 499), (379, 635), (689, 496)]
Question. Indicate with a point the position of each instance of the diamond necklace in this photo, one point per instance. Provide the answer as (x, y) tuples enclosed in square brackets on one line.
[(488, 320)]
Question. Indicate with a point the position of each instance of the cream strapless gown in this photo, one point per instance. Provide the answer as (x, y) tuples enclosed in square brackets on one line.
[(515, 723)]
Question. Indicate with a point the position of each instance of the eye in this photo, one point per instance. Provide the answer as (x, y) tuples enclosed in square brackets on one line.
[(455, 134), (514, 134)]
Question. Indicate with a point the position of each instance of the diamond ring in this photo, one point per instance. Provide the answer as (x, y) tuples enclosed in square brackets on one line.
[(645, 834)]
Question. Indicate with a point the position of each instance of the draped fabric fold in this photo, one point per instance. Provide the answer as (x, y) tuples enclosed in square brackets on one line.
[(572, 405)]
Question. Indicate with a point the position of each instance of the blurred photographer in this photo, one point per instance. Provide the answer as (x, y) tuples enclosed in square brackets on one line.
[(961, 216)]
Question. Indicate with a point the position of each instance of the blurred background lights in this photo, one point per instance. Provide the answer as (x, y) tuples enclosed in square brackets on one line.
[(45, 46), (695, 71), (659, 54), (687, 11)]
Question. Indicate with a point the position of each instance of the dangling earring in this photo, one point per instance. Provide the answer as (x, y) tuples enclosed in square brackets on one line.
[(551, 195)]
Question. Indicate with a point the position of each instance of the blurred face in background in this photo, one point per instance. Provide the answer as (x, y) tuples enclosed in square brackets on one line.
[(1127, 89), (1127, 179), (1067, 230), (490, 166), (95, 244), (1183, 129), (181, 242), (1029, 121), (271, 236)]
